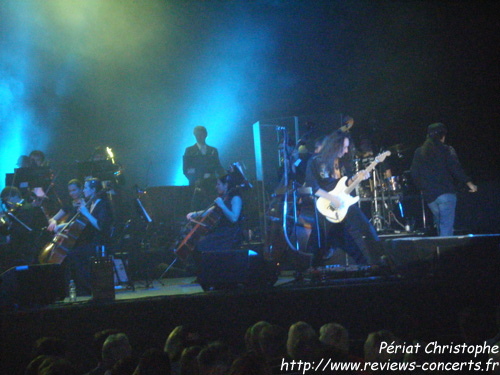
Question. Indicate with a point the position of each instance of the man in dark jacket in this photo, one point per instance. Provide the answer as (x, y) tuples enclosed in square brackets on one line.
[(435, 170), (201, 166)]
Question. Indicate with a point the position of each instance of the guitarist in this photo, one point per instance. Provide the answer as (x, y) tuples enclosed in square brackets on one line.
[(324, 171), (96, 209)]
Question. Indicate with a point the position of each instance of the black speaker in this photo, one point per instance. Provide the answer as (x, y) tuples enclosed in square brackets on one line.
[(32, 286), (471, 256), (232, 268)]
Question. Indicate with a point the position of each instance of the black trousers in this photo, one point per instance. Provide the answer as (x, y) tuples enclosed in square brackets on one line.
[(355, 234)]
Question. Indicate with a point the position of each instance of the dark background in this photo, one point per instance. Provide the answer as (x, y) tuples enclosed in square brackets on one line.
[(139, 75)]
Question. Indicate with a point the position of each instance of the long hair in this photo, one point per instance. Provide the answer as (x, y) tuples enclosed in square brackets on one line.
[(433, 146), (332, 147)]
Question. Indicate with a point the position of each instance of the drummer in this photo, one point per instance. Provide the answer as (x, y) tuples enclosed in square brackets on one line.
[(365, 156)]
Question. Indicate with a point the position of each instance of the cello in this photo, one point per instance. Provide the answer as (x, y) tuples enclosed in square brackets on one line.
[(210, 217), (57, 249)]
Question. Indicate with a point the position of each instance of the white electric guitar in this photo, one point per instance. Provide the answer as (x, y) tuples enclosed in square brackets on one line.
[(334, 204)]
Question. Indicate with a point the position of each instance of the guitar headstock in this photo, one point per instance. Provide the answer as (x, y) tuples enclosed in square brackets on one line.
[(381, 157)]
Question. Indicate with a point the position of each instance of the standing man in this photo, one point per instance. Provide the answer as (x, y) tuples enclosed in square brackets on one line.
[(323, 173), (201, 166), (435, 169)]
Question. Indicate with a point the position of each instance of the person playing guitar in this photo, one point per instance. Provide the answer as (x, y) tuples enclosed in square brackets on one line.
[(324, 172)]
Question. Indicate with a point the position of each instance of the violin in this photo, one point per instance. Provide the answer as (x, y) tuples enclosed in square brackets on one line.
[(4, 224)]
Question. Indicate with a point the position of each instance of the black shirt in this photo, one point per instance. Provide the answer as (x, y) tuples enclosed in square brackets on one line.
[(436, 174)]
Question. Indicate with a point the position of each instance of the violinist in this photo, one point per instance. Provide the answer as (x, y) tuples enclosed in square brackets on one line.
[(38, 159), (95, 208), (227, 234), (76, 194), (22, 224)]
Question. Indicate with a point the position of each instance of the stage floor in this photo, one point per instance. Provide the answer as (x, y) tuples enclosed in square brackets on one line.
[(421, 301), (165, 287)]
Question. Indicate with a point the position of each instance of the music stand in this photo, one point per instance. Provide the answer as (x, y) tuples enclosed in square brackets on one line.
[(104, 170), (29, 177)]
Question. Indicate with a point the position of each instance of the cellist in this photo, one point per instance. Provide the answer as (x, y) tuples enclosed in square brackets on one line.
[(75, 192), (96, 209), (228, 233)]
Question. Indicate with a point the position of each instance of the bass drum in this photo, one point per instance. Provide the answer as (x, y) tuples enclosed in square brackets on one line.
[(407, 185), (392, 184)]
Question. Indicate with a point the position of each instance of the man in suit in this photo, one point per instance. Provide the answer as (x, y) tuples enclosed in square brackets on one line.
[(201, 166)]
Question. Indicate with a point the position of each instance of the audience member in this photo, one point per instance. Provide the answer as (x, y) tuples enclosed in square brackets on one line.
[(97, 344), (179, 339), (51, 346), (124, 366), (335, 335), (116, 347), (272, 343), (215, 359), (59, 366), (252, 336), (373, 351), (250, 363), (302, 343), (34, 366), (189, 361), (153, 362)]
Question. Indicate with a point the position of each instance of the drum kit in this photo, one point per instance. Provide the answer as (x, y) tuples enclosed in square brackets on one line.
[(291, 215), (383, 192)]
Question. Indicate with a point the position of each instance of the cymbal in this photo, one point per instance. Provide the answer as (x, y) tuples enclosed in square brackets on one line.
[(398, 148)]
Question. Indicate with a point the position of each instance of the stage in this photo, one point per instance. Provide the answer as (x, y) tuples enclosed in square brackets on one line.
[(420, 297)]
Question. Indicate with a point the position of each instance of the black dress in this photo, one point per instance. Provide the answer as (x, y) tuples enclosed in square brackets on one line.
[(226, 235), (88, 244)]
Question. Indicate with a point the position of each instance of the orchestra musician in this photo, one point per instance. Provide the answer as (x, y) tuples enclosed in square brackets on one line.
[(38, 159), (22, 225), (95, 208), (76, 194), (324, 171), (201, 166), (227, 234)]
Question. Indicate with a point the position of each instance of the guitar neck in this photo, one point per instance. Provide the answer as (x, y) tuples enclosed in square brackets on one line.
[(368, 169)]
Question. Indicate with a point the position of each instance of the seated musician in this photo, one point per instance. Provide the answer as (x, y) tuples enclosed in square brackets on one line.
[(38, 159), (227, 234), (22, 225), (95, 208), (75, 193), (323, 173)]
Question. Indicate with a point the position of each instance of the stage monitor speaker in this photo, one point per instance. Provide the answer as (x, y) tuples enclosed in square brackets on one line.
[(232, 268), (469, 256), (32, 286)]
